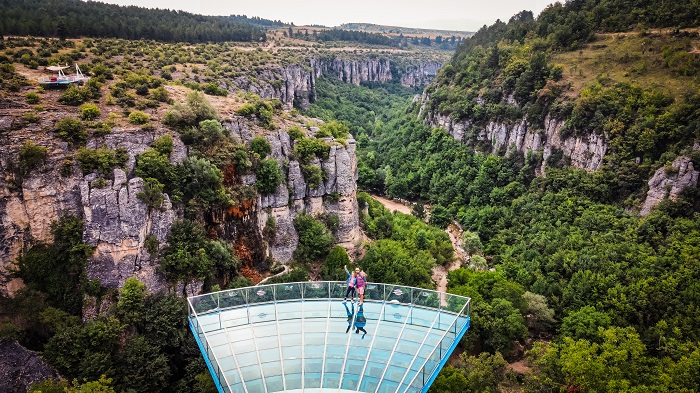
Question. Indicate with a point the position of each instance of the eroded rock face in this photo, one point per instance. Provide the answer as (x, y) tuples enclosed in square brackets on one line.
[(20, 367), (295, 84), (336, 195), (669, 182), (584, 152), (116, 222)]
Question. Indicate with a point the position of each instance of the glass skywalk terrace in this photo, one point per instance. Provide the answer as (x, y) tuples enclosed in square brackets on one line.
[(300, 337)]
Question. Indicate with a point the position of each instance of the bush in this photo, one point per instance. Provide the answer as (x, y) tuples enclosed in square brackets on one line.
[(313, 175), (32, 98), (196, 109), (102, 160), (152, 193), (164, 145), (307, 148), (260, 146), (73, 96), (295, 133), (315, 240), (335, 128), (138, 117), (31, 156), (215, 90), (89, 112), (72, 130), (269, 176)]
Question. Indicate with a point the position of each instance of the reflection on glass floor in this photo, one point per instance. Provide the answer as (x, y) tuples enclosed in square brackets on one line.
[(396, 341)]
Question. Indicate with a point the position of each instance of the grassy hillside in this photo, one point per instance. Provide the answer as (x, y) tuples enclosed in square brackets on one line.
[(662, 59)]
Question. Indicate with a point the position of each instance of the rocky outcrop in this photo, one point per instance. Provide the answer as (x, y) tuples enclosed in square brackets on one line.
[(20, 367), (669, 182), (295, 84), (583, 151), (336, 195), (356, 71), (420, 74), (116, 222)]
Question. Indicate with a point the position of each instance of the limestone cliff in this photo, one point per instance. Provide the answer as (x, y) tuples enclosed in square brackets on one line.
[(669, 182), (336, 195), (116, 222), (498, 137), (295, 84)]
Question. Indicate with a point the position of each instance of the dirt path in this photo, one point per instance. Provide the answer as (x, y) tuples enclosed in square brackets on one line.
[(393, 206), (460, 257)]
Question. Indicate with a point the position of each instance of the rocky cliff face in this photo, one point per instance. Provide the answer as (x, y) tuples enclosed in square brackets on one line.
[(337, 195), (584, 152), (356, 71), (295, 84), (20, 367), (420, 74), (669, 182), (116, 222)]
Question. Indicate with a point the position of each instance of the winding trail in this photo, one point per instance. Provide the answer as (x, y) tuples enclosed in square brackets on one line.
[(459, 258)]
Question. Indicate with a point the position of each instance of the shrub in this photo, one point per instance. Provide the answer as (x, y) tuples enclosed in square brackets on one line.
[(260, 146), (196, 109), (215, 90), (102, 160), (152, 193), (334, 128), (295, 133), (73, 96), (160, 94), (31, 156), (138, 117), (313, 175), (151, 243), (307, 148), (314, 239), (32, 98), (270, 230), (164, 145), (72, 130), (269, 175), (89, 112)]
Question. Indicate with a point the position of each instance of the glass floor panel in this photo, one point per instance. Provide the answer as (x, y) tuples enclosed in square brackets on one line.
[(287, 344)]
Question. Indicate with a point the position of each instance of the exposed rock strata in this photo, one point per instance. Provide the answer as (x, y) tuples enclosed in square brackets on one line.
[(337, 195), (669, 182), (295, 84), (583, 151), (115, 220)]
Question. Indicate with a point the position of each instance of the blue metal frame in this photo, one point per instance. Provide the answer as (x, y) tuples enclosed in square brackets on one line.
[(217, 383), (447, 355)]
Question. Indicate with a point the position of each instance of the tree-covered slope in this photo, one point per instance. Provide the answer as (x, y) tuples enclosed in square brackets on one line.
[(566, 277), (75, 18)]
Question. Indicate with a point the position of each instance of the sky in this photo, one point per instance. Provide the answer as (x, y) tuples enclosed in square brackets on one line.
[(464, 15)]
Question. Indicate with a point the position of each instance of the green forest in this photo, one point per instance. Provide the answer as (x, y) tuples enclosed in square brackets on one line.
[(564, 271), (75, 18)]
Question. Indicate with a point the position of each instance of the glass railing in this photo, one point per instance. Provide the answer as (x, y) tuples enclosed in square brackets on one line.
[(326, 290), (412, 332)]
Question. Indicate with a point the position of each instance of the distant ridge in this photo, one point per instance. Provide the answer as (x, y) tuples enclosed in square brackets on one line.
[(370, 27)]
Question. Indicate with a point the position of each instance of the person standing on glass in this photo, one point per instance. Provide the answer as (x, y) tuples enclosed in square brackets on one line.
[(351, 285), (360, 283)]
